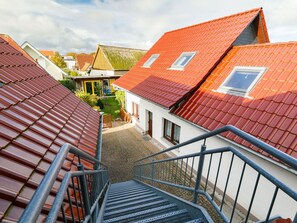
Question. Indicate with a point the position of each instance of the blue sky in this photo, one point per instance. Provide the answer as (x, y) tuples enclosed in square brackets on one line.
[(79, 25)]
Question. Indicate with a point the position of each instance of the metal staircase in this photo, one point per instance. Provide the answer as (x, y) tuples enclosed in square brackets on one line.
[(86, 195), (132, 201)]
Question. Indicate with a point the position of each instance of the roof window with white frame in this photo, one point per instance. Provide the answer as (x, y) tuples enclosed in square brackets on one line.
[(151, 60), (241, 80), (182, 60)]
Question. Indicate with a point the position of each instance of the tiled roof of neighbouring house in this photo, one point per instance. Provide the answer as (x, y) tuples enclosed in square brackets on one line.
[(120, 58), (38, 115), (83, 59), (210, 40), (47, 53), (270, 111)]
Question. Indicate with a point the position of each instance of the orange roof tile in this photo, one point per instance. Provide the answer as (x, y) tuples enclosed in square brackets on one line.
[(210, 40), (270, 114), (47, 53), (82, 59), (38, 115)]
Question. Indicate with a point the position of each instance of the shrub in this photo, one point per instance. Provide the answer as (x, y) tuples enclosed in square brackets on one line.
[(70, 84), (86, 97), (100, 104), (120, 97)]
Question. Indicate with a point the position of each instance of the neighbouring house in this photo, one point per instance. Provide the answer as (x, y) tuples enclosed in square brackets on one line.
[(44, 61), (216, 73), (84, 62), (70, 62), (47, 53), (114, 61), (109, 64), (38, 115)]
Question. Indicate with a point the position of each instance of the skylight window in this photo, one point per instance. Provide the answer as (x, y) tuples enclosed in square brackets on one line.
[(183, 60), (241, 80), (151, 60)]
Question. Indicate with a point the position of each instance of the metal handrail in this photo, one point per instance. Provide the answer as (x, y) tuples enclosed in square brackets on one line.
[(290, 161), (38, 199)]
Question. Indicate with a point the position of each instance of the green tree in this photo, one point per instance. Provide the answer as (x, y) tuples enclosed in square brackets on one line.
[(58, 60), (120, 97), (69, 84)]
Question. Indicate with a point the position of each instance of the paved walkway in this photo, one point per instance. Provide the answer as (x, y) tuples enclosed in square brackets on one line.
[(121, 146)]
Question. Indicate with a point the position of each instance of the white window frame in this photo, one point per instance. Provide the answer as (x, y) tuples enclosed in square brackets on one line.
[(177, 63), (239, 91), (150, 60)]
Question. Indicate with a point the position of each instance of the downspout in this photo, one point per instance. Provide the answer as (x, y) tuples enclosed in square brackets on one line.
[(99, 142)]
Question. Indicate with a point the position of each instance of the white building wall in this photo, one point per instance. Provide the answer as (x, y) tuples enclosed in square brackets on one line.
[(283, 205), (102, 72)]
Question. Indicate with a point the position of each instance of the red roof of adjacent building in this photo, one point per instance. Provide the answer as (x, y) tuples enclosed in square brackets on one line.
[(271, 112), (210, 40), (38, 115), (83, 59), (47, 53)]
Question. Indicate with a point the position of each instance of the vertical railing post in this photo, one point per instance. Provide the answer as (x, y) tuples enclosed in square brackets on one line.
[(84, 189), (99, 142), (140, 171), (199, 173), (153, 171)]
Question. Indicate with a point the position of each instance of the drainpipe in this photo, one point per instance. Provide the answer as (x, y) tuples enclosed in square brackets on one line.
[(99, 141)]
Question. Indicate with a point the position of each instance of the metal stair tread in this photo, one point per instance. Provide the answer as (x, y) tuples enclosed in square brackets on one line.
[(126, 188), (163, 217), (130, 199), (136, 208), (197, 220), (134, 203), (141, 213), (130, 196), (114, 197)]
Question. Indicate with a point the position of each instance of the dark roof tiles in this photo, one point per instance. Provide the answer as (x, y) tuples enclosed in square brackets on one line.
[(38, 116)]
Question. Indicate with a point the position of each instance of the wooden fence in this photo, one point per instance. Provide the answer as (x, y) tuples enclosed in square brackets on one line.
[(107, 121), (125, 116)]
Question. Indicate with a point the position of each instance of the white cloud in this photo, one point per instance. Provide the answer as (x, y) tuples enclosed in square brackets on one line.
[(80, 27)]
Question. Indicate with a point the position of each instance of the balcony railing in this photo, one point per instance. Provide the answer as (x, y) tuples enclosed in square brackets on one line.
[(225, 177)]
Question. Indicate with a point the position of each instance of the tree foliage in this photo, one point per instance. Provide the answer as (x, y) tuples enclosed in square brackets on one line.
[(120, 97), (58, 60), (69, 84), (90, 99)]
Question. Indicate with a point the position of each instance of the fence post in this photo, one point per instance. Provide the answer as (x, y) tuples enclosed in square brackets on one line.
[(153, 171), (140, 171), (85, 194), (199, 172)]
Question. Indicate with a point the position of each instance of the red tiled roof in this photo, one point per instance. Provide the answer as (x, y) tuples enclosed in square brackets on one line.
[(211, 40), (82, 59), (38, 115), (271, 114), (47, 53)]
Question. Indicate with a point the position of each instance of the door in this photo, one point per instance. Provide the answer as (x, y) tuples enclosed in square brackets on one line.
[(150, 123)]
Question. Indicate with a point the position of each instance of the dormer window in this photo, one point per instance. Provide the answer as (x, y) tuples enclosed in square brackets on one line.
[(241, 80), (151, 60), (182, 60)]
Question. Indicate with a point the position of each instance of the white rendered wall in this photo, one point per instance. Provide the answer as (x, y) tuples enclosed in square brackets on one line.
[(102, 73), (283, 205)]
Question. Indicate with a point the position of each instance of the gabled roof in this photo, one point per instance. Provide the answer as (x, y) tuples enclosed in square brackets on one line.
[(271, 112), (47, 53), (38, 115), (210, 40), (27, 44), (119, 58), (83, 59)]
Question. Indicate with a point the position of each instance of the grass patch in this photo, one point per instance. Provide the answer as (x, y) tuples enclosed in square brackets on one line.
[(111, 106)]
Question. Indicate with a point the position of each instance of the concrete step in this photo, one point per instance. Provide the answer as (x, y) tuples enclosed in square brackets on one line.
[(143, 214)]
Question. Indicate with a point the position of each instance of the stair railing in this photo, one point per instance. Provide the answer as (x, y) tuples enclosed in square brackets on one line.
[(80, 195), (210, 171)]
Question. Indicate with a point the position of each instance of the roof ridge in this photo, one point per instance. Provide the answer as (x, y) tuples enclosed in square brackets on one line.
[(266, 44), (214, 20), (121, 47)]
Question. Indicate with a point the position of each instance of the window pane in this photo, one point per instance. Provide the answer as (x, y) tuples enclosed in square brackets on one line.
[(176, 133), (151, 60), (185, 60), (89, 87), (241, 80), (168, 126)]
